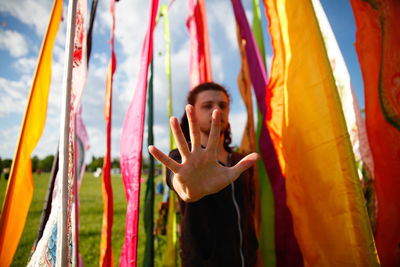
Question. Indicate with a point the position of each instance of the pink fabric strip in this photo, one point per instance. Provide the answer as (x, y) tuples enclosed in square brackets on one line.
[(131, 146), (194, 75), (287, 249)]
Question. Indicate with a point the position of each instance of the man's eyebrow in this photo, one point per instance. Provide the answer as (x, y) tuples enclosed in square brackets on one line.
[(212, 101)]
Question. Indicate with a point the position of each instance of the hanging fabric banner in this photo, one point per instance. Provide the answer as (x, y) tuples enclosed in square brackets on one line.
[(256, 28), (286, 247), (82, 145), (78, 138), (351, 110), (248, 143), (378, 46), (48, 201), (131, 146), (19, 190), (148, 213), (57, 245), (266, 237), (200, 60), (78, 82), (171, 252), (90, 28), (106, 255), (309, 131)]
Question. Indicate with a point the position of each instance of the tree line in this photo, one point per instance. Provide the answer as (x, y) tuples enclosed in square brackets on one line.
[(45, 164)]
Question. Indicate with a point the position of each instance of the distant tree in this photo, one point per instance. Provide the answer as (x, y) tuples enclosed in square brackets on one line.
[(6, 163), (46, 163), (1, 168), (115, 163), (96, 163), (35, 162)]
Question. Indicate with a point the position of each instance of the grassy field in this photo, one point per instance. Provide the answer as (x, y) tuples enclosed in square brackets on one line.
[(91, 212)]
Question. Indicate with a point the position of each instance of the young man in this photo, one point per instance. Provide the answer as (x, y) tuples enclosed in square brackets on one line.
[(215, 190)]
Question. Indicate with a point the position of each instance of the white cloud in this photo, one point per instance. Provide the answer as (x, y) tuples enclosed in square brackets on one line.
[(14, 95), (238, 122), (48, 142), (25, 65), (14, 42), (31, 12), (218, 23), (97, 141), (8, 141)]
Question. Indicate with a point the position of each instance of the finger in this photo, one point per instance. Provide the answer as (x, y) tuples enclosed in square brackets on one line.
[(193, 127), (179, 137), (215, 133), (164, 159), (243, 165)]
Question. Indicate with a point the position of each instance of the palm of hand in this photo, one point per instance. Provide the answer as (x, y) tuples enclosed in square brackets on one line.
[(200, 174)]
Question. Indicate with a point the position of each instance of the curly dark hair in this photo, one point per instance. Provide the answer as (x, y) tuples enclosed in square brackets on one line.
[(191, 99)]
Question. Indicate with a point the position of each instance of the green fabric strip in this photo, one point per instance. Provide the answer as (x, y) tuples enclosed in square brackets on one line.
[(267, 227), (148, 215)]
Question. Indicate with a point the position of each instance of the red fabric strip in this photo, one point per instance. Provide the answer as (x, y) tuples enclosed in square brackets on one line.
[(106, 255), (200, 61), (378, 46)]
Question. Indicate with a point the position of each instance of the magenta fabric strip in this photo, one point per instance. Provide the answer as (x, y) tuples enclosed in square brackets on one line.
[(286, 246), (131, 146)]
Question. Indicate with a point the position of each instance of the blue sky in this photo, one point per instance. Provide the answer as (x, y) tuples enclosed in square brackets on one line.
[(23, 25)]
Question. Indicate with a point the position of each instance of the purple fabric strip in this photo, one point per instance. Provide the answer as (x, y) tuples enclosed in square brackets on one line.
[(286, 246)]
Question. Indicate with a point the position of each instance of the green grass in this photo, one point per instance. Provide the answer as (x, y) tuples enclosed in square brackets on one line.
[(91, 212)]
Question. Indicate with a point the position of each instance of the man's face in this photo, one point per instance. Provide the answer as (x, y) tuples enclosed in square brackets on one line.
[(206, 102)]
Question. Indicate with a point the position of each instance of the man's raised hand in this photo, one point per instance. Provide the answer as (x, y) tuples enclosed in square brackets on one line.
[(200, 174)]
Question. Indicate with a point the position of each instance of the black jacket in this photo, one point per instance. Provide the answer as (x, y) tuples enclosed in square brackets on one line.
[(210, 234)]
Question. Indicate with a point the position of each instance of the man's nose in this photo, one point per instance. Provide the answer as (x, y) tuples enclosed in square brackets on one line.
[(217, 107)]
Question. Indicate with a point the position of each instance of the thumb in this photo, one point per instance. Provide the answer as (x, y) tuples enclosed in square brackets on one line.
[(244, 164)]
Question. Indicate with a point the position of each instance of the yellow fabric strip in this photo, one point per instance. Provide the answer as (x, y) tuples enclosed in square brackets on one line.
[(171, 252), (323, 189), (20, 185)]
